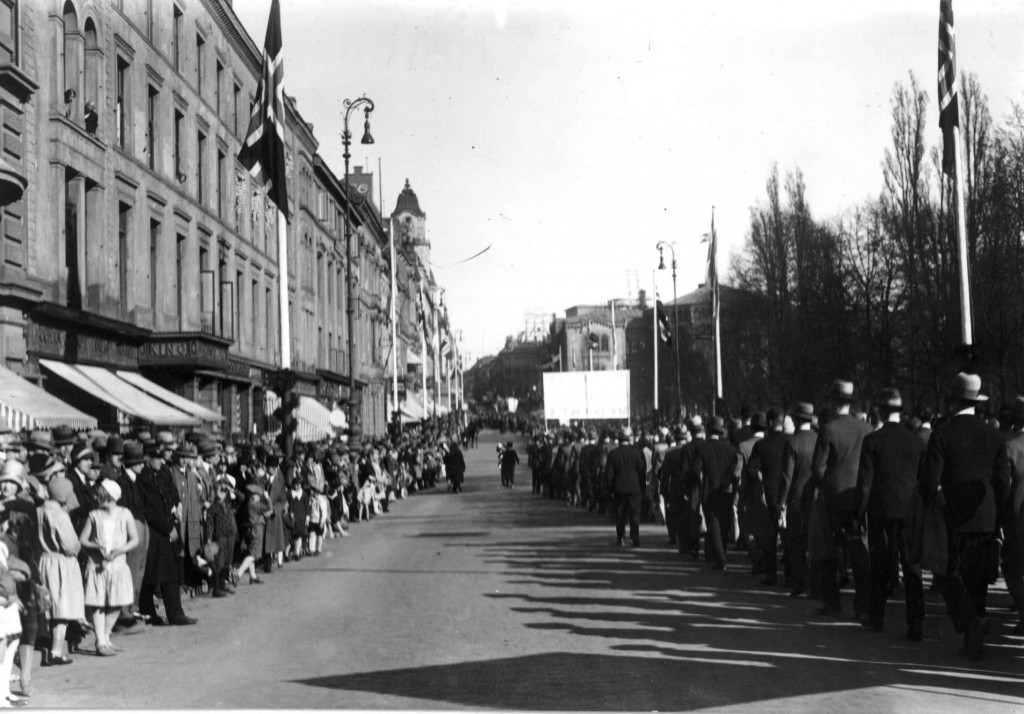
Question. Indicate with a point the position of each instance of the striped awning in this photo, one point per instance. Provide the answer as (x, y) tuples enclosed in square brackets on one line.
[(314, 420), (26, 406), (165, 395), (108, 387)]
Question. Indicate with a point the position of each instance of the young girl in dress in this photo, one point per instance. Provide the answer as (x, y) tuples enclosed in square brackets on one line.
[(58, 566), (298, 512), (108, 534)]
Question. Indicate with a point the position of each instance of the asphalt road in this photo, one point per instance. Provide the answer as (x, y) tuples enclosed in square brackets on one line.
[(496, 598)]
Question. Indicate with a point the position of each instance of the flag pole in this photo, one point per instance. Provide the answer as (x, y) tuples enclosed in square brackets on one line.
[(282, 262), (966, 315), (654, 342), (394, 328), (716, 309), (615, 349)]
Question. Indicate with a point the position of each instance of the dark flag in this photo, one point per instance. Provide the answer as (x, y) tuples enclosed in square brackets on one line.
[(711, 276), (664, 331), (263, 151), (949, 106)]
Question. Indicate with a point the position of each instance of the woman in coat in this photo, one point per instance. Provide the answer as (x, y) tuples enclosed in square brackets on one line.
[(455, 466), (274, 538)]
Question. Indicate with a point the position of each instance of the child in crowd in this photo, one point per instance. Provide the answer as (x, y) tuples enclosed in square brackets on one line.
[(257, 508), (298, 515), (108, 534), (319, 518)]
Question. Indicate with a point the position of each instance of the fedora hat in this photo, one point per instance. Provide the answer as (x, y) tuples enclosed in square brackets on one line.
[(115, 446), (717, 426), (166, 440), (208, 448), (63, 435), (841, 391), (40, 440), (966, 387), (889, 398), (134, 453), (758, 421), (803, 411)]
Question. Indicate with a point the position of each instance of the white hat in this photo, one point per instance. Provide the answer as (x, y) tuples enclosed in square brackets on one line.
[(112, 488)]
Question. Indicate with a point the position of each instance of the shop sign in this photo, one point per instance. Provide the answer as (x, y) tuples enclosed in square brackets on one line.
[(68, 346)]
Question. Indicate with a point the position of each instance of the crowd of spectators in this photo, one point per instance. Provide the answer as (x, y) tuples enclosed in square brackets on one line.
[(103, 535)]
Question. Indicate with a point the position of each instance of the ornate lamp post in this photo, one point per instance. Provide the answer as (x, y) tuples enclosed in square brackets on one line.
[(675, 309), (350, 292)]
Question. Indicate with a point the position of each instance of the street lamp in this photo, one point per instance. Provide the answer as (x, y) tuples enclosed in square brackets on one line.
[(350, 291), (675, 308)]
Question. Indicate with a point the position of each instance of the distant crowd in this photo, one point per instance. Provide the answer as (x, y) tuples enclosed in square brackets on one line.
[(102, 536), (823, 493)]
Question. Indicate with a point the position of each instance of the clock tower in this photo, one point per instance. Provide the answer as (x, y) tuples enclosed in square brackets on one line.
[(408, 224)]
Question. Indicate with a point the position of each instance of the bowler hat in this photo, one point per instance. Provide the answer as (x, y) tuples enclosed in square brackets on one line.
[(966, 387), (63, 435), (841, 391), (99, 444), (133, 453), (889, 398), (802, 411), (717, 426), (115, 445), (758, 421)]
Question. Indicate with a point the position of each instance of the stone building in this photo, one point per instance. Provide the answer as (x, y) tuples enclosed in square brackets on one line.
[(141, 245)]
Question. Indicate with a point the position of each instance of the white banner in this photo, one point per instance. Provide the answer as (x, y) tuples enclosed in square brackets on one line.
[(513, 404), (586, 395)]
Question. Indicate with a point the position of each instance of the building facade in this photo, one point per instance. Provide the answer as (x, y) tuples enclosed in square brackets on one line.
[(140, 243)]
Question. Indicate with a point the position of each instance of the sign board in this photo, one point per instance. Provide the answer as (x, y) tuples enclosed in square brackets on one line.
[(586, 395), (513, 404)]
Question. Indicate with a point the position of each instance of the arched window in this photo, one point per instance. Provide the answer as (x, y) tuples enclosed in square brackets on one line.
[(71, 69)]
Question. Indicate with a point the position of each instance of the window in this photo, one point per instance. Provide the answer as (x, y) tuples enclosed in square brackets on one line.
[(9, 32), (268, 297), (154, 253), (179, 158), (604, 343), (152, 106), (200, 45), (121, 103), (239, 287), (255, 313), (179, 275), (217, 88), (176, 38), (220, 183), (124, 217), (200, 166), (235, 99)]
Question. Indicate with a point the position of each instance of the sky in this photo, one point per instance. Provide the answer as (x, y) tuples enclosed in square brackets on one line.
[(570, 138)]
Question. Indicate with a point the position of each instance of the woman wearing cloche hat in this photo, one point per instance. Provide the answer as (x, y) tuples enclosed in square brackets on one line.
[(58, 566)]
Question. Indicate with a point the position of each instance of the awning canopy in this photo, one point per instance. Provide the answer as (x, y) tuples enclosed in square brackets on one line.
[(26, 406), (412, 408), (165, 395), (314, 420), (108, 387)]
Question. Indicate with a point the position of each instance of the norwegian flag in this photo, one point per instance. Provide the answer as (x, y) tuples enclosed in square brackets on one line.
[(664, 331), (263, 151)]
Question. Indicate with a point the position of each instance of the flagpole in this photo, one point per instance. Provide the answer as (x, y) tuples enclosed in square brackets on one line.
[(717, 309), (654, 335), (966, 315), (394, 330), (615, 350), (423, 372)]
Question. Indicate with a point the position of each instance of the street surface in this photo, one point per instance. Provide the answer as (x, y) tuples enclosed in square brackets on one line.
[(496, 598)]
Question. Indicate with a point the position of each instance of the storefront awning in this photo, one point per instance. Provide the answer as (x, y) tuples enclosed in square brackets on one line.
[(314, 420), (26, 406), (108, 387), (165, 395)]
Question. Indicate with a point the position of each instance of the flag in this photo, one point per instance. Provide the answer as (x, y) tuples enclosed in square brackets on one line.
[(711, 276), (421, 312), (664, 331), (949, 105), (446, 345), (263, 150)]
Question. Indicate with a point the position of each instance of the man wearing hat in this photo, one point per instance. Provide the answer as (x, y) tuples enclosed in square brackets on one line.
[(764, 479), (625, 473), (160, 500), (889, 462), (966, 466), (63, 442), (715, 467), (83, 479), (795, 497), (586, 469), (671, 486), (834, 468), (191, 495), (129, 470), (754, 431)]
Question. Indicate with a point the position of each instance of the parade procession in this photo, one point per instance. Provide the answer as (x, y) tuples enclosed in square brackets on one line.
[(626, 426)]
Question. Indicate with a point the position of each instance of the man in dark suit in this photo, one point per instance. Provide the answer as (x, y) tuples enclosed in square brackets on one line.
[(966, 465), (763, 481), (834, 467), (925, 414), (889, 461), (625, 473), (795, 497), (716, 466), (1012, 554), (672, 486)]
